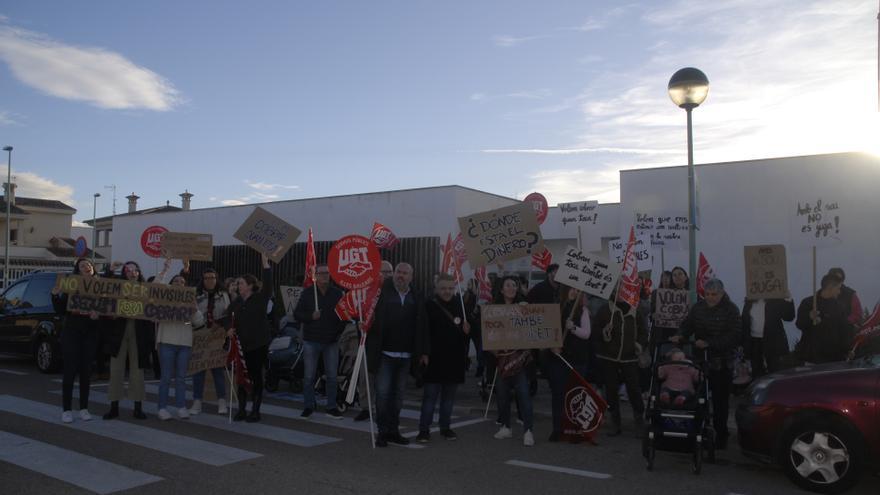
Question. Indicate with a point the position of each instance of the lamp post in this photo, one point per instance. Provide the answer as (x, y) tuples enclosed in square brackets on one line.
[(688, 88), (8, 150), (94, 226)]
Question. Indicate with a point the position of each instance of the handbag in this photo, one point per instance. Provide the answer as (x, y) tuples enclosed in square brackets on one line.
[(513, 362)]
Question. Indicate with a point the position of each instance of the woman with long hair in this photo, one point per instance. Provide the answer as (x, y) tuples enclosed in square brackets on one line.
[(212, 301), (576, 350)]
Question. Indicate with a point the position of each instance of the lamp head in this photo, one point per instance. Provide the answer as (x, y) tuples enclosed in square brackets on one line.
[(7, 148), (688, 88)]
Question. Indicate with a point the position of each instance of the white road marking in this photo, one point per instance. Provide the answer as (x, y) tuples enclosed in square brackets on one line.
[(14, 372), (558, 469), (72, 467)]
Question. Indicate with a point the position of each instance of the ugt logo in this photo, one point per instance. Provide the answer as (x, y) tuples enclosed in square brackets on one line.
[(582, 410), (354, 262)]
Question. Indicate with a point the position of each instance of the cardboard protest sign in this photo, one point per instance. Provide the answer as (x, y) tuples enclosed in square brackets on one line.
[(521, 326), (127, 299), (585, 216), (587, 272), (500, 235), (643, 249), (671, 307), (267, 234), (290, 296), (207, 350), (666, 230), (816, 222), (766, 272), (186, 246)]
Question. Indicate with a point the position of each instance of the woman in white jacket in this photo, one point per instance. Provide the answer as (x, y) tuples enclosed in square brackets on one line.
[(212, 300)]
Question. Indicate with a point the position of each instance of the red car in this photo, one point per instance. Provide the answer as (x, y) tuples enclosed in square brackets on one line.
[(821, 423)]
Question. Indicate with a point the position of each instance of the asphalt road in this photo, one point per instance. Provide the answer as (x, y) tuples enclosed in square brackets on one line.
[(285, 454)]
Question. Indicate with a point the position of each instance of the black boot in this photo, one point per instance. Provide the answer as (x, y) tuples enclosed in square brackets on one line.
[(138, 411), (254, 416), (615, 424), (242, 407), (114, 410)]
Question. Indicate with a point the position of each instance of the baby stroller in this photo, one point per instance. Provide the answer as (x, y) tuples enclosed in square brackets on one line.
[(679, 426), (285, 358)]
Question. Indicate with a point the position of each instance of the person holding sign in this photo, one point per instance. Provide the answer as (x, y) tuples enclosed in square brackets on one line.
[(848, 299), (212, 302), (249, 322), (131, 340), (715, 324), (443, 359), (827, 334), (321, 331), (78, 343), (577, 349), (620, 338), (511, 373), (764, 339)]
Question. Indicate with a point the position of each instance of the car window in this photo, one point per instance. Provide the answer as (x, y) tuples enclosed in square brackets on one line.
[(12, 297), (38, 293)]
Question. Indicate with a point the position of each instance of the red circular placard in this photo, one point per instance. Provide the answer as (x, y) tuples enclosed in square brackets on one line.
[(354, 262), (539, 202), (151, 240)]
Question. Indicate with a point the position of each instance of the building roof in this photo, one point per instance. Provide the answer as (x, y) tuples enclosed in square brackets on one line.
[(14, 209), (145, 211), (42, 203)]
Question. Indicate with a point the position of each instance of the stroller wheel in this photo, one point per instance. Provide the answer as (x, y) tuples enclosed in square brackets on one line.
[(342, 406), (272, 384)]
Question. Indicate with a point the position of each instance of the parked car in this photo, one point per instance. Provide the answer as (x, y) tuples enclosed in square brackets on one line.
[(28, 323), (821, 423)]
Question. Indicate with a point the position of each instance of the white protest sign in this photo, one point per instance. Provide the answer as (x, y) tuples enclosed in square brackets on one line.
[(815, 222), (644, 251), (587, 272), (667, 230), (584, 215), (290, 294)]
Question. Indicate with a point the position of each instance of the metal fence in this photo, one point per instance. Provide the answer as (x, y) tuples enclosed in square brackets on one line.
[(19, 267), (423, 253)]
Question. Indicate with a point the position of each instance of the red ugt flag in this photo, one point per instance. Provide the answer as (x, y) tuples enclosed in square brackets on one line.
[(357, 300), (484, 283), (382, 236), (450, 264), (628, 291), (311, 262), (459, 251), (705, 273), (584, 408), (235, 357), (542, 260)]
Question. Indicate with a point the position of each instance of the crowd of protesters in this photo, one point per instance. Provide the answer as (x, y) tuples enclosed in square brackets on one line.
[(429, 336)]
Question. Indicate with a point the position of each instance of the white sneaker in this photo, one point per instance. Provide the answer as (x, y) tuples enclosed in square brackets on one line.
[(196, 407), (221, 406), (182, 413), (528, 438), (67, 417), (164, 415), (503, 433), (84, 415)]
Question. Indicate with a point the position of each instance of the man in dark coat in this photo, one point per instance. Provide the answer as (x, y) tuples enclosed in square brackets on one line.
[(398, 334), (444, 357), (547, 291), (826, 333), (764, 339), (715, 324)]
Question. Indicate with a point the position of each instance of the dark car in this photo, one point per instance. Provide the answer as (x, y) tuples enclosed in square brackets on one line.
[(28, 323), (821, 423)]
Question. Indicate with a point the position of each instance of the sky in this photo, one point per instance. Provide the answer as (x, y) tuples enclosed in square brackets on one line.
[(245, 102)]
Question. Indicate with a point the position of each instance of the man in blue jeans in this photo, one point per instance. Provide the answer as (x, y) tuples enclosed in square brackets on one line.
[(398, 334), (321, 331)]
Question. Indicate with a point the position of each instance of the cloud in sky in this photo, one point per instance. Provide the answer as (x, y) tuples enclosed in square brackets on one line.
[(262, 193), (507, 41), (265, 186), (790, 77), (31, 185), (94, 75)]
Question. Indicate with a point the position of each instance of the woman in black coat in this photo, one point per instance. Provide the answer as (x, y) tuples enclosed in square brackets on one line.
[(445, 358)]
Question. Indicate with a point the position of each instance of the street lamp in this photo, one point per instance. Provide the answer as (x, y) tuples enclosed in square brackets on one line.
[(95, 226), (8, 150), (688, 88)]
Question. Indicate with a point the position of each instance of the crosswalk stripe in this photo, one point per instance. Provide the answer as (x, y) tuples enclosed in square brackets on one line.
[(69, 466), (284, 435), (451, 426), (193, 449), (558, 469), (13, 372), (404, 413)]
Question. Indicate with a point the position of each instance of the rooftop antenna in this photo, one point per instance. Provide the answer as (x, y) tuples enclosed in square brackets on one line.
[(112, 187)]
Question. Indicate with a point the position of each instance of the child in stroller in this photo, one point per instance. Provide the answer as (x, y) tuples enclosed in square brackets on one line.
[(677, 416)]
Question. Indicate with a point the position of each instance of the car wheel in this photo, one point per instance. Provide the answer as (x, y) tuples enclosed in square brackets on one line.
[(821, 455), (47, 356)]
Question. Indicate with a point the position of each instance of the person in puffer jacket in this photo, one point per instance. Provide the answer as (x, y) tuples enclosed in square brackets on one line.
[(715, 324)]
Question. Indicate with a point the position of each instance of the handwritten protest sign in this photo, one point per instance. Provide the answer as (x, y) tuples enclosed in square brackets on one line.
[(207, 350), (588, 272), (585, 216), (186, 246), (666, 230), (816, 222), (267, 234), (766, 272), (671, 307), (500, 235), (521, 326), (644, 251), (290, 294), (127, 299)]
